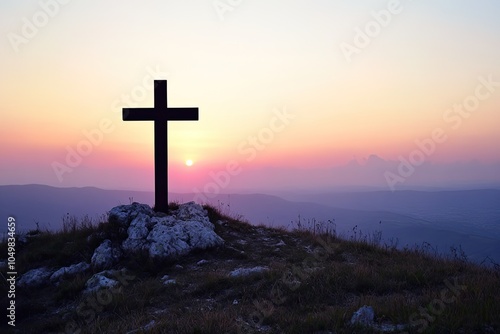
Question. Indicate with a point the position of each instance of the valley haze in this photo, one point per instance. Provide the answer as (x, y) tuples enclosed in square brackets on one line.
[(437, 219)]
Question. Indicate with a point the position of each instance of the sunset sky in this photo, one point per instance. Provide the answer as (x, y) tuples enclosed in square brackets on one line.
[(291, 94)]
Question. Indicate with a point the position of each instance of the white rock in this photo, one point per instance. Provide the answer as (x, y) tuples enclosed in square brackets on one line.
[(69, 271), (100, 281), (137, 233), (35, 277), (247, 271), (190, 211), (201, 235), (165, 236), (202, 262), (173, 238), (167, 280), (138, 228), (124, 214), (105, 256), (133, 245), (280, 243), (167, 241), (364, 316)]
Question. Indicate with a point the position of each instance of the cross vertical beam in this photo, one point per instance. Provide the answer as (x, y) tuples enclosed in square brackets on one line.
[(161, 149), (160, 114)]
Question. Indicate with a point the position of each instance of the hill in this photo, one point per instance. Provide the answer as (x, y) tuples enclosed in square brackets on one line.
[(443, 219), (258, 280)]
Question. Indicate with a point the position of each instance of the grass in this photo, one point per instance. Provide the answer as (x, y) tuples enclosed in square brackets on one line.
[(315, 281)]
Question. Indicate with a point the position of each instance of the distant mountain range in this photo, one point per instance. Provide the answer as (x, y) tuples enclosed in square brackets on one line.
[(469, 218)]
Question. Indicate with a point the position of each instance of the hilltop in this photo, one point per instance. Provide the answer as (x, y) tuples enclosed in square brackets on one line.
[(444, 219), (228, 276)]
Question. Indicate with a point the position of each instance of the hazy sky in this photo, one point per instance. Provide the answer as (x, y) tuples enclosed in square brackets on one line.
[(291, 93)]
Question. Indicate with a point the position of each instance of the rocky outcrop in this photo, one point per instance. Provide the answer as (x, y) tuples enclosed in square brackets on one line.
[(106, 255), (124, 214), (41, 276), (72, 270), (162, 236), (165, 236)]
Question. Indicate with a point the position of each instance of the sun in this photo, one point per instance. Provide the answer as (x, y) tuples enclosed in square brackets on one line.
[(189, 163)]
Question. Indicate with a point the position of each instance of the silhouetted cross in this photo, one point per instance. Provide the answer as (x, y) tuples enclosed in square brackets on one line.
[(160, 114)]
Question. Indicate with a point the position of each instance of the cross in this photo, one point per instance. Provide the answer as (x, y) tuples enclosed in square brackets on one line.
[(160, 114)]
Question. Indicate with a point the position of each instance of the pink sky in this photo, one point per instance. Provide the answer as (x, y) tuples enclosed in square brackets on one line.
[(279, 97)]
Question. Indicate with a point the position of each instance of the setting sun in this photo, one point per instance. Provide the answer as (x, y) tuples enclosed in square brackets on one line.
[(189, 163)]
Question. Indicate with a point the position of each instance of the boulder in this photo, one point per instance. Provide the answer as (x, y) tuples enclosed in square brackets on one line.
[(247, 271), (124, 214), (105, 256), (137, 232), (35, 277), (167, 280), (165, 236), (100, 281), (170, 239), (192, 211), (69, 271), (364, 316)]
